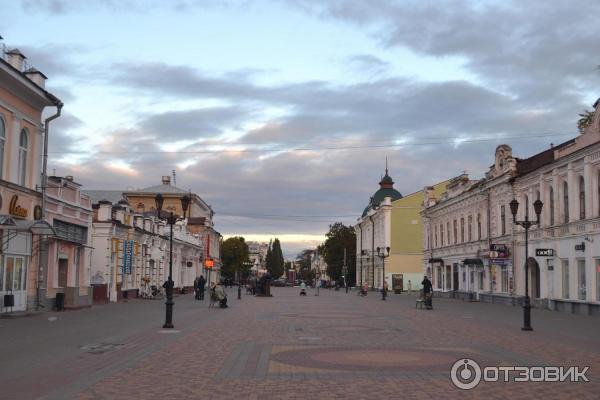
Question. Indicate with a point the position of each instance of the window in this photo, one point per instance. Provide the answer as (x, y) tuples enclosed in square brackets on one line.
[(565, 279), (23, 144), (581, 198), (504, 278), (566, 202), (470, 228), (435, 235), (455, 231), (2, 142), (462, 230), (478, 226), (551, 206), (70, 232), (503, 220), (442, 235), (526, 206), (448, 232), (581, 287)]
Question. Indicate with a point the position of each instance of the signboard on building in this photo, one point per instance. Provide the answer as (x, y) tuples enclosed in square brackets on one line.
[(208, 264), (580, 247), (127, 256), (544, 252), (499, 251)]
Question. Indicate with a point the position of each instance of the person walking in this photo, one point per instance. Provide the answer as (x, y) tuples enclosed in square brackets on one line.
[(427, 293), (201, 285), (196, 294), (409, 287), (384, 290)]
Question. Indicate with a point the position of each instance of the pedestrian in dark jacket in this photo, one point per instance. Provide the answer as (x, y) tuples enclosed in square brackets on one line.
[(201, 285), (196, 292), (427, 293)]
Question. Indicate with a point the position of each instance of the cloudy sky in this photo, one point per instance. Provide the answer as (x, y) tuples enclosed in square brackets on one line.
[(280, 113)]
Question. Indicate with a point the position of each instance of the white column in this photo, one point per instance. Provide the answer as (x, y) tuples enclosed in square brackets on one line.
[(588, 178), (557, 191), (573, 193)]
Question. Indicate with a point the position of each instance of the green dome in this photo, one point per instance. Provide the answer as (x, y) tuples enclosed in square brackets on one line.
[(386, 189)]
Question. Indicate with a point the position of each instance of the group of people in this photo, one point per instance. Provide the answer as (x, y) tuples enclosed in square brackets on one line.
[(217, 293)]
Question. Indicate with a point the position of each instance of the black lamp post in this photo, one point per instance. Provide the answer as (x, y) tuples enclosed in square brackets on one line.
[(514, 207), (171, 219), (383, 254)]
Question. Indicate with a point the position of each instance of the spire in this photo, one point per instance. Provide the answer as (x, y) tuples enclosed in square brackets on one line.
[(386, 180), (386, 167)]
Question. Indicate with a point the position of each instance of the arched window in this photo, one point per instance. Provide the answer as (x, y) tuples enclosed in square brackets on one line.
[(23, 145), (581, 198), (2, 142), (551, 206), (566, 202), (526, 206)]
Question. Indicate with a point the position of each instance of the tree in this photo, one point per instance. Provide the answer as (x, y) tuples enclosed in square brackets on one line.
[(234, 257), (269, 257), (303, 259), (277, 268), (338, 238), (586, 118)]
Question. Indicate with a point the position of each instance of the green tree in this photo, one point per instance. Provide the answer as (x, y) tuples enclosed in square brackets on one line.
[(338, 238), (277, 268), (303, 260), (234, 257), (269, 257), (585, 120)]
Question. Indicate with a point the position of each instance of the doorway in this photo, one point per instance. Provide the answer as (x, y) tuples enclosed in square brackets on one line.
[(534, 278), (63, 269)]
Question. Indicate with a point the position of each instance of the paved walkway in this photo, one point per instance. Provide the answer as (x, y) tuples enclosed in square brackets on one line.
[(333, 346)]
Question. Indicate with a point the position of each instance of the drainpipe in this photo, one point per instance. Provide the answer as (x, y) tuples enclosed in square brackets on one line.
[(361, 252), (43, 241), (372, 250)]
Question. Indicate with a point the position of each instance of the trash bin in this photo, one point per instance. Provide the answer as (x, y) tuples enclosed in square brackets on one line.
[(60, 301), (9, 300)]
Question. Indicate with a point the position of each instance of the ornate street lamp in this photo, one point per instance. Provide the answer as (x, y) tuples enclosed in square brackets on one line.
[(514, 207), (383, 254), (171, 219)]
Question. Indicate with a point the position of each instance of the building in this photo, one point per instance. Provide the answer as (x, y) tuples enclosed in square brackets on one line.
[(23, 98), (257, 254), (373, 230), (488, 261), (131, 252), (319, 266), (200, 218), (394, 221), (69, 211)]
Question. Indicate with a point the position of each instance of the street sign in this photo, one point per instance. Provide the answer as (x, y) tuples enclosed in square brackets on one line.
[(127, 256), (544, 252)]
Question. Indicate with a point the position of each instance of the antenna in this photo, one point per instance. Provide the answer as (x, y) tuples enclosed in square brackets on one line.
[(386, 165), (174, 179)]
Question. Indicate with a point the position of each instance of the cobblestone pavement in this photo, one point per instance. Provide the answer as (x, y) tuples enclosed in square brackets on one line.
[(331, 346)]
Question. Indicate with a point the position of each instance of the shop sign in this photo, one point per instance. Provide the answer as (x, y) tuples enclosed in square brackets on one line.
[(544, 252), (127, 256), (190, 264), (15, 209), (580, 247), (499, 251), (208, 264), (500, 261)]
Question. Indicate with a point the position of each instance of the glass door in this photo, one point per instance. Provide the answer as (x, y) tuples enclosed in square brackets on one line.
[(13, 274)]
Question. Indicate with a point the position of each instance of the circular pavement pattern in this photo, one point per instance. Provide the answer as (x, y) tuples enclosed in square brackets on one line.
[(351, 359)]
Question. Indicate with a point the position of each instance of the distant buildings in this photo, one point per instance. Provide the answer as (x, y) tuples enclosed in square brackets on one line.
[(257, 254)]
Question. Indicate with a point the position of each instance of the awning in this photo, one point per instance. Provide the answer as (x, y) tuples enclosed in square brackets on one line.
[(436, 260), (20, 225), (473, 261)]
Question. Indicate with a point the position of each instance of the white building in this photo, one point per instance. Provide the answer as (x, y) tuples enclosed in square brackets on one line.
[(130, 248), (474, 249)]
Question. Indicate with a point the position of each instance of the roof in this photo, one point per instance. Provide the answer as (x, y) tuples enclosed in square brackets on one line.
[(163, 188), (536, 161), (386, 189), (111, 195)]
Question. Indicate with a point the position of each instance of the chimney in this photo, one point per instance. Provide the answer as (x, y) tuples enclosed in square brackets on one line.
[(16, 59), (36, 77), (104, 211), (166, 180)]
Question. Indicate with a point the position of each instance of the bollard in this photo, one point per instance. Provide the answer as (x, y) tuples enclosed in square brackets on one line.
[(239, 292)]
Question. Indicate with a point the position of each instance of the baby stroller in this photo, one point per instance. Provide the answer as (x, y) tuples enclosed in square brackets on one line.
[(303, 289)]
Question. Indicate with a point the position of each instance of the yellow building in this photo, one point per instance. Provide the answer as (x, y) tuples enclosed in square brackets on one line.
[(393, 222)]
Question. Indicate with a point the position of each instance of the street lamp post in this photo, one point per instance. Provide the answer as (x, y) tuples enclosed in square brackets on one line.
[(383, 254), (171, 219), (514, 207)]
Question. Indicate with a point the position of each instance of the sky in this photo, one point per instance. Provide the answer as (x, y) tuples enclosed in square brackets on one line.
[(280, 114)]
